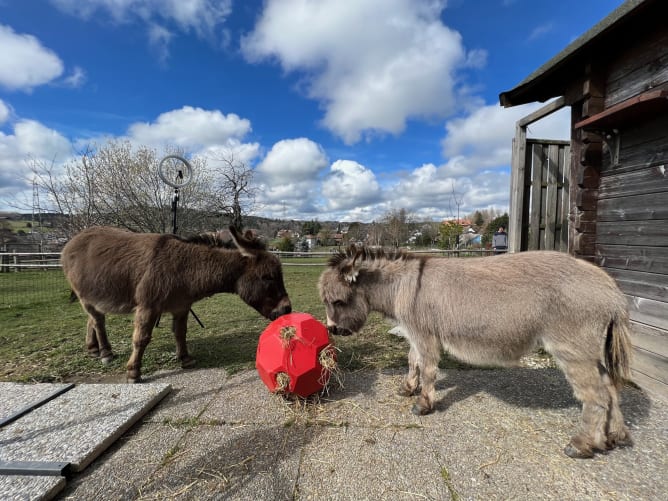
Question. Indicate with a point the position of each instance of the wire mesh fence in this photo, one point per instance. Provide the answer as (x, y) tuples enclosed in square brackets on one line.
[(28, 279)]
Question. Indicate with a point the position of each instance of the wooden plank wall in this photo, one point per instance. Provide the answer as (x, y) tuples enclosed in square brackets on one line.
[(632, 242), (632, 219), (544, 218)]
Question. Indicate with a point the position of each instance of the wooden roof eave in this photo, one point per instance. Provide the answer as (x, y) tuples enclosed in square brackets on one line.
[(552, 78)]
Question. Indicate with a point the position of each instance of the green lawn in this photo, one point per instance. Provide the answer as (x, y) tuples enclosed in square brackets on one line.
[(42, 333)]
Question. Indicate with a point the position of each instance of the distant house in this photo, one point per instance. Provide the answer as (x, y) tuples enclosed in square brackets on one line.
[(287, 234), (608, 200)]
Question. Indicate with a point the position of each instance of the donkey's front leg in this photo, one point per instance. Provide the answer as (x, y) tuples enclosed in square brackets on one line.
[(144, 322), (411, 382), (179, 328), (429, 354)]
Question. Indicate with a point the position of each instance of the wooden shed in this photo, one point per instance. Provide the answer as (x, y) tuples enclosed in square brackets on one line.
[(604, 196)]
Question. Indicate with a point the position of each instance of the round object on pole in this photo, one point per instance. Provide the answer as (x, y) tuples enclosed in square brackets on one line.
[(175, 171)]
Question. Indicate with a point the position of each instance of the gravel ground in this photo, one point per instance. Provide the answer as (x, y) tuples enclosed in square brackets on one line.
[(495, 434)]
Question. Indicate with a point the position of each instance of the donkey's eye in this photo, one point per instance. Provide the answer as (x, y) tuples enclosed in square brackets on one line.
[(338, 302)]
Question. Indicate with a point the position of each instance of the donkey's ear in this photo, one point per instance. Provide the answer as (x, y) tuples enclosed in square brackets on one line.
[(241, 243), (351, 271)]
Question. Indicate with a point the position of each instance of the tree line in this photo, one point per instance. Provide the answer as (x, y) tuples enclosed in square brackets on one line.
[(117, 184)]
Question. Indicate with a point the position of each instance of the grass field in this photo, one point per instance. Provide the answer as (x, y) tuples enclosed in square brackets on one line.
[(42, 333)]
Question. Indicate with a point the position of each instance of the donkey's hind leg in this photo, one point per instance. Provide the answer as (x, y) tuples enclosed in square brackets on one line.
[(618, 434), (587, 380), (179, 328), (96, 335)]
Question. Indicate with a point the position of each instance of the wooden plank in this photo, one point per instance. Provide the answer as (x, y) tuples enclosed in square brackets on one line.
[(641, 284), (651, 365), (644, 60), (653, 179), (644, 145), (562, 197), (630, 257), (516, 217), (551, 198), (537, 163), (634, 207), (628, 112), (650, 385), (648, 311), (654, 233), (650, 339)]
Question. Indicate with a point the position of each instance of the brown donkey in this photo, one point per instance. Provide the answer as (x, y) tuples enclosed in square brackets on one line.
[(116, 271), (492, 311)]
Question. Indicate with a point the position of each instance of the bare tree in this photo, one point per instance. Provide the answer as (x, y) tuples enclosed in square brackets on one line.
[(397, 223), (118, 185), (233, 194), (457, 199)]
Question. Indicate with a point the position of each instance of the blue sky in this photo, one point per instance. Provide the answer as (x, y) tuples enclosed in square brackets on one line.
[(345, 109)]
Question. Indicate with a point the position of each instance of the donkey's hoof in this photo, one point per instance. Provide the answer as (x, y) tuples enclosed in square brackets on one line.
[(133, 380), (107, 359), (621, 440), (571, 451), (187, 362), (420, 411)]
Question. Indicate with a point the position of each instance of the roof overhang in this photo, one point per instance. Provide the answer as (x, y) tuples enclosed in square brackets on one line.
[(553, 78)]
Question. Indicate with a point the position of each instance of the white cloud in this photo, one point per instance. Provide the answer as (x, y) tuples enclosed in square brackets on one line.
[(159, 38), (483, 139), (540, 31), (350, 185), (76, 79), (4, 112), (292, 159), (372, 63), (192, 129), (24, 62), (203, 17), (30, 141)]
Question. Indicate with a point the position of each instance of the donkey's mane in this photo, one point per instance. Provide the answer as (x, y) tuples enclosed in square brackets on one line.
[(369, 254), (208, 239), (215, 239)]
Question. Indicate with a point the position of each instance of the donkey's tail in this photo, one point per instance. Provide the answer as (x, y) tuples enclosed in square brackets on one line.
[(618, 350)]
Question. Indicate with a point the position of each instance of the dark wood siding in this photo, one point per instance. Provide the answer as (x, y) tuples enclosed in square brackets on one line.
[(632, 240)]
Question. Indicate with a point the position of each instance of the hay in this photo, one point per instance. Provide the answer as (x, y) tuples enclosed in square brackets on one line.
[(286, 334), (330, 369), (282, 383)]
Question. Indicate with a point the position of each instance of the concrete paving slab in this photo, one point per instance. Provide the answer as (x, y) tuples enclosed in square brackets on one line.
[(245, 399), (19, 488), (192, 392), (129, 464), (496, 434), (232, 462), (18, 397), (359, 462), (77, 426)]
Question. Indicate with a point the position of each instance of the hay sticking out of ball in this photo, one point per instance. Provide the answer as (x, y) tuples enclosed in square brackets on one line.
[(286, 334), (282, 383), (330, 369)]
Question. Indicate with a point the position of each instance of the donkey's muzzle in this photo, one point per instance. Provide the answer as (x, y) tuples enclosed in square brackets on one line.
[(283, 308), (338, 331)]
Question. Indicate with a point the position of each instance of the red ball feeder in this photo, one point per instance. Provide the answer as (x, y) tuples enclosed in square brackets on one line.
[(294, 355)]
